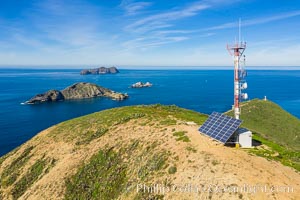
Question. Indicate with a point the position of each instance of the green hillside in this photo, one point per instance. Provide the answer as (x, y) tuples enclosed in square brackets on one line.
[(109, 154), (276, 129), (271, 122)]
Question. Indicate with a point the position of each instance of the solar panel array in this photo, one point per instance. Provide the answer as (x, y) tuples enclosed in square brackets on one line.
[(220, 127)]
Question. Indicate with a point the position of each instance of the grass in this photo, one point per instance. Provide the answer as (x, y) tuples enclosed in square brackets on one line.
[(3, 158), (270, 121), (106, 174), (29, 178), (179, 133), (155, 163), (276, 129), (91, 135), (84, 129), (191, 149), (11, 172), (168, 122), (184, 139), (104, 177), (276, 152), (148, 196), (180, 136)]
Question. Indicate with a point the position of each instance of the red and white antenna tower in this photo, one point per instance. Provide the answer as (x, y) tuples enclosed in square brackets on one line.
[(240, 84)]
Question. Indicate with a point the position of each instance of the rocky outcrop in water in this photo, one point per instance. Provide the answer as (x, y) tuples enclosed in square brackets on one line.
[(51, 95), (141, 85), (101, 70), (77, 91)]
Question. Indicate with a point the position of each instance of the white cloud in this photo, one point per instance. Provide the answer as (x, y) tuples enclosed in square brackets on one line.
[(256, 21), (164, 18), (272, 18), (73, 32), (154, 28), (148, 42), (134, 8)]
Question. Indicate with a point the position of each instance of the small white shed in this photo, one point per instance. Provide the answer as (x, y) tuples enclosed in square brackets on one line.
[(244, 138)]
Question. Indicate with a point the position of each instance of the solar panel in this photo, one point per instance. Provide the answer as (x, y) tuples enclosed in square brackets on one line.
[(220, 127)]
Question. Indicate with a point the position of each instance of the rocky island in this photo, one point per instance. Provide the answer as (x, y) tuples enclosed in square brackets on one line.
[(100, 70), (141, 85), (76, 91)]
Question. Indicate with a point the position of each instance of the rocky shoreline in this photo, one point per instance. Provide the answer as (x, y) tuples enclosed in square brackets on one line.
[(76, 91)]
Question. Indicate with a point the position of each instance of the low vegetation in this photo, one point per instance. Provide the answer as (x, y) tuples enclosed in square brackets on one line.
[(191, 149), (149, 196), (84, 129), (270, 121), (2, 159), (29, 178), (168, 122), (276, 129), (11, 172), (273, 151), (180, 136), (155, 163), (91, 135), (121, 160), (107, 174), (104, 177), (172, 170), (215, 162)]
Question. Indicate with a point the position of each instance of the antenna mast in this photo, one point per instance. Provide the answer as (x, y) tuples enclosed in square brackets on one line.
[(240, 31), (240, 84)]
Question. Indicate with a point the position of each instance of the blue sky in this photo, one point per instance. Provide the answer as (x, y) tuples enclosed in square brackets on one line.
[(147, 33)]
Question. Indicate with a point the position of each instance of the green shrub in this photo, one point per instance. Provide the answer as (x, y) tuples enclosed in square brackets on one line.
[(215, 162), (181, 136), (172, 170), (179, 133), (184, 139), (192, 149)]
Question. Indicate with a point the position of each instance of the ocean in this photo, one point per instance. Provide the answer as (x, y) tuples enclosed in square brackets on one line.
[(200, 90)]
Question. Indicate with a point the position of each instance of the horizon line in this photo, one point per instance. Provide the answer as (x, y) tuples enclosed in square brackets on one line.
[(145, 67)]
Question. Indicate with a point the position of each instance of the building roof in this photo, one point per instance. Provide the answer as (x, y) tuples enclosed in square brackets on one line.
[(242, 130)]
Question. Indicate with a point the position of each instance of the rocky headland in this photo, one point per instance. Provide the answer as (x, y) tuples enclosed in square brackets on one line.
[(100, 70), (76, 91)]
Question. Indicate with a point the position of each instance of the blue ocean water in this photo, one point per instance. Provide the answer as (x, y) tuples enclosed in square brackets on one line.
[(200, 90)]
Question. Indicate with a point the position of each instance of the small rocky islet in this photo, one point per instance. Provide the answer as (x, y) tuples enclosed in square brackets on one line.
[(76, 91), (141, 85), (100, 71)]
